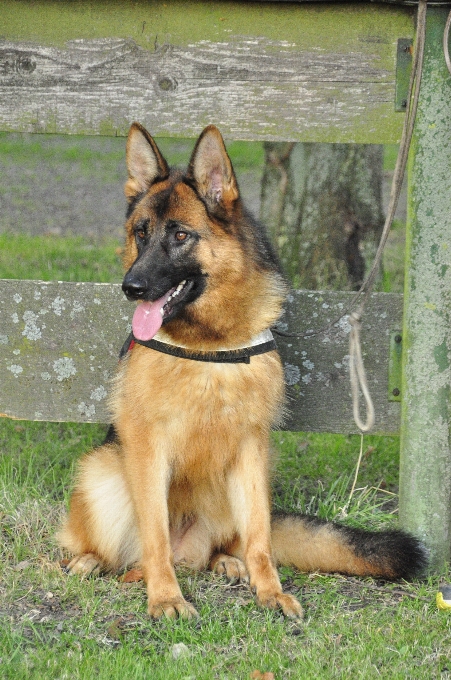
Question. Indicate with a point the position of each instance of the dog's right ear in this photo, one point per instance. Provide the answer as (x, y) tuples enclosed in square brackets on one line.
[(145, 164)]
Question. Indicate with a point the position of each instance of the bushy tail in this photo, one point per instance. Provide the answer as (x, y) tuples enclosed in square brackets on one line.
[(311, 544)]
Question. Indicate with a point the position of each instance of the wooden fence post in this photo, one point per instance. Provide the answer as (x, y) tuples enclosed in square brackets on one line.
[(425, 471)]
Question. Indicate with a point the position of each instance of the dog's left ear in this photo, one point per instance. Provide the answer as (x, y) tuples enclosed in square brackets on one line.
[(211, 170)]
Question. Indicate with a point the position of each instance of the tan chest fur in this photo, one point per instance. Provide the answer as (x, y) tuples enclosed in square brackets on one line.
[(199, 412)]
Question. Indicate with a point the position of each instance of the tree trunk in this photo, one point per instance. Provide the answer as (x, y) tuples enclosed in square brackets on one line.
[(323, 206)]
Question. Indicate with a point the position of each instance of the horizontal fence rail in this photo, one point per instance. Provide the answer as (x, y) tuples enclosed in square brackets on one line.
[(59, 346), (271, 71)]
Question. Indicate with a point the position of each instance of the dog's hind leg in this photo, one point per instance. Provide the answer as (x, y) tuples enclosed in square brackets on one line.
[(100, 529), (86, 564), (229, 566), (230, 562), (191, 544)]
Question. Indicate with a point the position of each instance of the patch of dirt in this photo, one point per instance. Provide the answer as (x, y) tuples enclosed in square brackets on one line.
[(54, 190), (354, 593)]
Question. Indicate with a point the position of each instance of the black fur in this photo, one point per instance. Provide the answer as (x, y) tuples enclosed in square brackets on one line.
[(111, 436), (394, 548), (132, 203)]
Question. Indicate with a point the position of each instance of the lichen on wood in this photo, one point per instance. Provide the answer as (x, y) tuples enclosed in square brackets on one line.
[(60, 368)]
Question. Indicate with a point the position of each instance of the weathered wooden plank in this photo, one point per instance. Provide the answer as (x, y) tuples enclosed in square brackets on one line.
[(317, 368), (59, 344), (425, 468), (291, 72)]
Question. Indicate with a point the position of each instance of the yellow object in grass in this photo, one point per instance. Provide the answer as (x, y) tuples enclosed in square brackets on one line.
[(443, 597)]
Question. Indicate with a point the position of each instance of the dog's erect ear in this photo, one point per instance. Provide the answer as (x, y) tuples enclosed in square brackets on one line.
[(210, 169), (145, 164)]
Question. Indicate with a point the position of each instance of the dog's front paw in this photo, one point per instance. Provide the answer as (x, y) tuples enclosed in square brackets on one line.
[(177, 607), (231, 567), (289, 605)]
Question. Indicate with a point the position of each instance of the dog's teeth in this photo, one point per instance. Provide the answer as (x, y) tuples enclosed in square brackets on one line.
[(176, 292)]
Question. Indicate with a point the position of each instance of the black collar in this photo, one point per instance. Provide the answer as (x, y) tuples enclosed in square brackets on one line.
[(242, 355)]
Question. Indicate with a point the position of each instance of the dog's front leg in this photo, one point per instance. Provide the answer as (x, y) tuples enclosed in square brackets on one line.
[(149, 477), (250, 499)]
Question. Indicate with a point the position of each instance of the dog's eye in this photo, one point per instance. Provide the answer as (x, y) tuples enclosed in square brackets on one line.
[(141, 234), (181, 236)]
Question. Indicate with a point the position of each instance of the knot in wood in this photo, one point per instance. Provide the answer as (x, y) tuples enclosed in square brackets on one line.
[(167, 83), (25, 65)]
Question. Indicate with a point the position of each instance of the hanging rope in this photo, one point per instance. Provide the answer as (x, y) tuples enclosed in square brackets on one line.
[(398, 176), (401, 161), (357, 376), (356, 367)]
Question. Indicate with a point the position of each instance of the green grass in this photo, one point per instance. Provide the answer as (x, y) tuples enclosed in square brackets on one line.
[(306, 478), (35, 150), (390, 156), (55, 626), (48, 148), (50, 258)]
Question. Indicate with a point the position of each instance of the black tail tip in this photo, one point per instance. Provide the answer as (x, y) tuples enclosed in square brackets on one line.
[(397, 552), (412, 556)]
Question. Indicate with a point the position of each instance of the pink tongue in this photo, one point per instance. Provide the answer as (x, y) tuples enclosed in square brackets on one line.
[(147, 318)]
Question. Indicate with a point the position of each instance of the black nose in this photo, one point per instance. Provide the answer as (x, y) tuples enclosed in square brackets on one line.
[(134, 287)]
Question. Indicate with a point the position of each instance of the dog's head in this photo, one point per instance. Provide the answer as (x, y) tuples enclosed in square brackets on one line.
[(194, 257)]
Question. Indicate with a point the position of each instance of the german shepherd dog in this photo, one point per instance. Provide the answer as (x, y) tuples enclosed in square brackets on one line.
[(184, 477)]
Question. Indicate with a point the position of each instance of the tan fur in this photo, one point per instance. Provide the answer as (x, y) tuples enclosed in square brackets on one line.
[(320, 549), (96, 524), (188, 480)]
